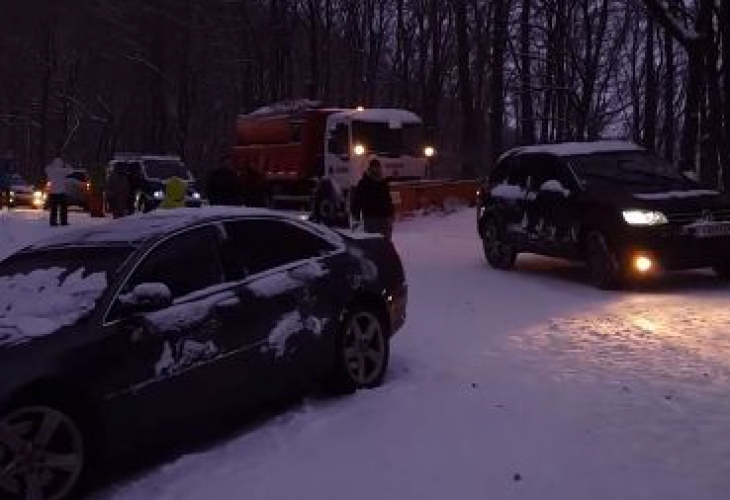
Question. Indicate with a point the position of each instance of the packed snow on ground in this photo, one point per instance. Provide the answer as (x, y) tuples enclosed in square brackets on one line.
[(503, 385)]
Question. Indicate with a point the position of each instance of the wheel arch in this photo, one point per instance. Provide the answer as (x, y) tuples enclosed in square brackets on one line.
[(60, 393), (371, 301)]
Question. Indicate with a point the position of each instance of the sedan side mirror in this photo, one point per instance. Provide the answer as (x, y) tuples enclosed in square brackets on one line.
[(147, 297)]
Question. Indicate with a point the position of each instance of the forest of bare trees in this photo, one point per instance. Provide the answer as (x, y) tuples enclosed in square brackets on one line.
[(98, 76)]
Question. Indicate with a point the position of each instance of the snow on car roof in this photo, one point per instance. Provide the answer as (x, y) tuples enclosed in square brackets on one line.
[(137, 229), (577, 148)]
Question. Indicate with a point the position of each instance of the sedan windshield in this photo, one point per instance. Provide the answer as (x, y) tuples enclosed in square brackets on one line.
[(165, 169), (46, 290), (635, 167)]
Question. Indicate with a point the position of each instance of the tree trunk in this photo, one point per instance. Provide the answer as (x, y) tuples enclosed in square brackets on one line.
[(313, 36), (499, 47), (469, 141), (49, 66), (651, 98), (561, 92), (669, 133), (528, 115)]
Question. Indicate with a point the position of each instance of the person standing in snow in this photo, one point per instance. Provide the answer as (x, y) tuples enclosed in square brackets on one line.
[(224, 186), (371, 200), (175, 191), (118, 193), (56, 173)]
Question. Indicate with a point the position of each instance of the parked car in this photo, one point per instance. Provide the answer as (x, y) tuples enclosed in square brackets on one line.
[(78, 188), (613, 205), (147, 177), (16, 191), (146, 330)]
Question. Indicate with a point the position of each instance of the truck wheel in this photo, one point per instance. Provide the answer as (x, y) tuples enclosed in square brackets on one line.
[(326, 209)]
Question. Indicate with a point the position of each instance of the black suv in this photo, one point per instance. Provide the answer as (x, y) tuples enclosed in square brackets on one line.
[(147, 176), (612, 205)]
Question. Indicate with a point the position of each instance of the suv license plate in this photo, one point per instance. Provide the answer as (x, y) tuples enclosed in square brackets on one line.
[(711, 230)]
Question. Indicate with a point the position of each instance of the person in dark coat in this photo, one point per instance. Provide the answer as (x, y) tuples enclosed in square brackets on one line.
[(224, 187), (371, 200), (118, 193)]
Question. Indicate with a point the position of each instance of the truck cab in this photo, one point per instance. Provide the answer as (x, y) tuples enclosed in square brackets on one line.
[(298, 145), (394, 137)]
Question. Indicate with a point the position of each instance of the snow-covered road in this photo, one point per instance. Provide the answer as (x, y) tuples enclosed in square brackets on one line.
[(519, 385)]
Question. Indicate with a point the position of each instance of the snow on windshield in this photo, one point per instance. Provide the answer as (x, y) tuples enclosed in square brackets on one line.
[(59, 299)]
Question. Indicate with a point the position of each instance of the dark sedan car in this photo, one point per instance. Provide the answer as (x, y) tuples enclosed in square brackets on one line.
[(611, 204), (122, 336)]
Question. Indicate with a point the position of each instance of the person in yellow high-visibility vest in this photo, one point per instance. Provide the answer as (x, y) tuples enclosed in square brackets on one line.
[(175, 191)]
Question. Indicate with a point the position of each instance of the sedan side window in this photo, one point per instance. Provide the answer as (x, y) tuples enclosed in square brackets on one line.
[(257, 245), (185, 263)]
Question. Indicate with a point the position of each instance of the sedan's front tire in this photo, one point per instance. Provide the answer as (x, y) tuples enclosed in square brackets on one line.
[(43, 454), (362, 352)]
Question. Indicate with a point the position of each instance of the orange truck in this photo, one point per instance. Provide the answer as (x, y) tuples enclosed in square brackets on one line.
[(296, 144)]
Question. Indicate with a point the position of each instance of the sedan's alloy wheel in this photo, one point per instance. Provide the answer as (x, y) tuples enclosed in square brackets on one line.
[(365, 349), (41, 454)]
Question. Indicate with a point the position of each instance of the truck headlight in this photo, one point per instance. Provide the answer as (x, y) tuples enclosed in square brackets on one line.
[(644, 217), (196, 195), (158, 195)]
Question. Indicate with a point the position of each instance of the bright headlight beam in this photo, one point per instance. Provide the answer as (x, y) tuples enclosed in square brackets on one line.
[(644, 217)]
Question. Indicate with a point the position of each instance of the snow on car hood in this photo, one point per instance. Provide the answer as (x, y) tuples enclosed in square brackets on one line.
[(41, 302)]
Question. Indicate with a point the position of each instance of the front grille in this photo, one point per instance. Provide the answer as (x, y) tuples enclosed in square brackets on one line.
[(715, 215)]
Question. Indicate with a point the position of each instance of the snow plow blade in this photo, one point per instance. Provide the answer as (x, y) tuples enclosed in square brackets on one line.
[(432, 195)]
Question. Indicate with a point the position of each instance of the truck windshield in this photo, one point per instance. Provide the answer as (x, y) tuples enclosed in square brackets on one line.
[(164, 169), (380, 138)]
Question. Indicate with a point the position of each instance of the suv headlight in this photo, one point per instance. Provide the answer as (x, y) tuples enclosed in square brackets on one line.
[(196, 195), (158, 195), (644, 217)]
